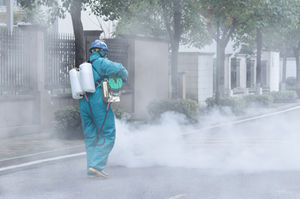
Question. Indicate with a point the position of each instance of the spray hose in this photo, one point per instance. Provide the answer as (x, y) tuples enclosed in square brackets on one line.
[(99, 131)]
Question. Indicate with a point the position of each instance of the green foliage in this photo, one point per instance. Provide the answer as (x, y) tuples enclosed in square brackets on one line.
[(36, 16), (278, 21), (111, 9), (184, 106), (119, 113), (237, 105), (69, 122), (297, 90), (143, 18), (284, 96), (260, 100), (157, 18), (210, 102), (291, 83)]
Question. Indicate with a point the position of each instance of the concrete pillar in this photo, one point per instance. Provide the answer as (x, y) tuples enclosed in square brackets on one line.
[(243, 72), (44, 96), (35, 36), (182, 86), (9, 14)]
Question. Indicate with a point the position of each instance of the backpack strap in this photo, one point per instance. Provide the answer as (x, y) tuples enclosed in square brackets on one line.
[(101, 77)]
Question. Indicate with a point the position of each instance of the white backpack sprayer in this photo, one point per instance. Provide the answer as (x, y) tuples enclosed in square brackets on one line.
[(82, 82)]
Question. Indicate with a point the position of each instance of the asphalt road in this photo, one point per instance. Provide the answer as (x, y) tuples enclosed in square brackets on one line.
[(257, 159)]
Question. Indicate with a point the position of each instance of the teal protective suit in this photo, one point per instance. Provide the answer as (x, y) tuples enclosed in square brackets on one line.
[(97, 155)]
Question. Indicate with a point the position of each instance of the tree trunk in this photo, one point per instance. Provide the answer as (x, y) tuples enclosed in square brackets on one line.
[(258, 56), (222, 66), (218, 65), (78, 32), (296, 54), (174, 70), (175, 47)]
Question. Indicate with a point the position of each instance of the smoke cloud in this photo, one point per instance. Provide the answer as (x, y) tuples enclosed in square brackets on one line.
[(257, 146)]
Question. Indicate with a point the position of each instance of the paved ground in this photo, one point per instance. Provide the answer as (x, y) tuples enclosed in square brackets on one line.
[(257, 159), (66, 180), (33, 143)]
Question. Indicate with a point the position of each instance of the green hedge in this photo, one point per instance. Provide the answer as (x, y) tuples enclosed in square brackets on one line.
[(119, 112), (237, 105), (69, 122), (260, 100), (297, 90), (184, 106), (291, 83), (284, 96)]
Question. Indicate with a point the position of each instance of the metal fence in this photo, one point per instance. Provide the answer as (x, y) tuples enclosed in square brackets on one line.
[(59, 59), (16, 60)]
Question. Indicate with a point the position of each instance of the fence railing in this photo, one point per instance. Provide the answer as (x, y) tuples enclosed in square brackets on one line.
[(16, 62), (59, 59)]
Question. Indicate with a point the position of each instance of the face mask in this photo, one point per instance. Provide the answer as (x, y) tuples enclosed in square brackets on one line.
[(102, 53)]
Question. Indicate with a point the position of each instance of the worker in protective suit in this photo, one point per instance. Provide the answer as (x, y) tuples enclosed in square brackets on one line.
[(99, 147)]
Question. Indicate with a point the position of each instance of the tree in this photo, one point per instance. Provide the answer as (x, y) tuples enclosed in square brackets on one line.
[(222, 19), (269, 16), (274, 27), (111, 9), (229, 18), (176, 20)]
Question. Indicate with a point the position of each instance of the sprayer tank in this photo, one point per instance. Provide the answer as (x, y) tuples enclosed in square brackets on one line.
[(86, 78), (77, 91)]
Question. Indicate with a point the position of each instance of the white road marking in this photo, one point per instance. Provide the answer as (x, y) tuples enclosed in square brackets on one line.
[(177, 196), (40, 153), (41, 161)]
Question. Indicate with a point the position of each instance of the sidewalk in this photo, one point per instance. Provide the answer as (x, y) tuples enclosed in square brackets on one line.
[(30, 147), (34, 143)]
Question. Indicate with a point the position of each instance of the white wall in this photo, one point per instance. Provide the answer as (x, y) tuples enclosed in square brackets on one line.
[(243, 71), (151, 75), (273, 69), (227, 73), (205, 77)]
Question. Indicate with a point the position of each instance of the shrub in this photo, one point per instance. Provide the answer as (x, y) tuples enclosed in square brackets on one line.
[(210, 102), (290, 82), (185, 106), (261, 100), (119, 113), (297, 90), (69, 122), (284, 96), (237, 105)]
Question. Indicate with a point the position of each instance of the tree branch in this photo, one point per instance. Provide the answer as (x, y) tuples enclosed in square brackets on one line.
[(211, 32), (232, 28)]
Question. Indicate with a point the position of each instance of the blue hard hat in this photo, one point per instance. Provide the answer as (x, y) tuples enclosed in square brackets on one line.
[(98, 44)]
